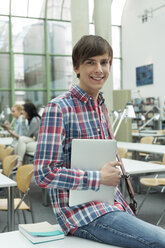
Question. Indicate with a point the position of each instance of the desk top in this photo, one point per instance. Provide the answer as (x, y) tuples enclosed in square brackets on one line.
[(134, 167), (17, 240), (6, 181), (149, 148), (6, 140), (147, 134)]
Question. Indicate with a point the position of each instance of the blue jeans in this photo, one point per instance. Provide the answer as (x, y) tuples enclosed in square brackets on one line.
[(122, 229)]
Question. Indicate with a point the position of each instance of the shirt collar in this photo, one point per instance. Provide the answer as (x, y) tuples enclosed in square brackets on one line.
[(83, 96)]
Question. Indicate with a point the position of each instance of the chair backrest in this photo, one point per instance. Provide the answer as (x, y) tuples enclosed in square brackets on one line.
[(23, 177), (8, 163), (147, 140), (163, 160), (162, 131), (122, 152), (5, 151)]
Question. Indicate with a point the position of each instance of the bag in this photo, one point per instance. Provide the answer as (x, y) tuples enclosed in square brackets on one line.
[(133, 203)]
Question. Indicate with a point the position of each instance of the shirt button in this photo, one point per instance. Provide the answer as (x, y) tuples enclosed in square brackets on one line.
[(98, 130)]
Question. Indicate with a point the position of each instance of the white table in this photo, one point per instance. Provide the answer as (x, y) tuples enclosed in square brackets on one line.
[(138, 147), (17, 240), (6, 140), (139, 135), (6, 182), (136, 167), (150, 131)]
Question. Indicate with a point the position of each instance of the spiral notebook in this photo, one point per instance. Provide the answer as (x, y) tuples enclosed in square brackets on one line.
[(92, 154)]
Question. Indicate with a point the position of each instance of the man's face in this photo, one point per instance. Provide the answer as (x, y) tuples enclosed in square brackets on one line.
[(94, 73)]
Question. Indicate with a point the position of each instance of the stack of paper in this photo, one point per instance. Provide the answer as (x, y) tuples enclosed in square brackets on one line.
[(41, 232)]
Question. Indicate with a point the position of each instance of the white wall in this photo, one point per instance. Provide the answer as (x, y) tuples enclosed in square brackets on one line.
[(142, 44)]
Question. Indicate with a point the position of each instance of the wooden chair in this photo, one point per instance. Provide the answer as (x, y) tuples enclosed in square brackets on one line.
[(158, 140), (151, 183), (23, 179), (8, 163), (5, 151), (122, 152), (146, 140)]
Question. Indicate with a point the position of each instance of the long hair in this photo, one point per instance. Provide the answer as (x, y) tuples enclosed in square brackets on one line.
[(31, 110)]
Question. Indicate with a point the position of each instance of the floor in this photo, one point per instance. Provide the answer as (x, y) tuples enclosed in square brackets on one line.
[(150, 211)]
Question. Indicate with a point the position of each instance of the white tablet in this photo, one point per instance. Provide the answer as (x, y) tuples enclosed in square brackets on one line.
[(92, 154)]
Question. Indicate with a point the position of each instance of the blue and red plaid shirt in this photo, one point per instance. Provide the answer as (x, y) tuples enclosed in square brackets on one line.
[(69, 116)]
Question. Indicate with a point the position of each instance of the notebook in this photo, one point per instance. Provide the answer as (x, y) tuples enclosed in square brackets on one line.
[(92, 154)]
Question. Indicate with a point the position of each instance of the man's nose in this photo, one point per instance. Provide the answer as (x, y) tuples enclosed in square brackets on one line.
[(98, 67)]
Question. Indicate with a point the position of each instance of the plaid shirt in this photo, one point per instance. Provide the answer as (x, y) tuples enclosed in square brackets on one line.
[(71, 115)]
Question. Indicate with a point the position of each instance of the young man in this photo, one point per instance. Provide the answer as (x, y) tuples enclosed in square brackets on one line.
[(78, 114)]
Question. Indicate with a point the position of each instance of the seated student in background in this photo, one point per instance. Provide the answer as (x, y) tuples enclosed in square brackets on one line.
[(27, 143), (78, 114), (16, 112)]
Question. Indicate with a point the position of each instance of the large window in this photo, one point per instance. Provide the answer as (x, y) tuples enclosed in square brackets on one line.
[(35, 50), (36, 47)]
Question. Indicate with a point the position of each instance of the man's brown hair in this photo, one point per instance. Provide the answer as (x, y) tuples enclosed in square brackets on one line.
[(89, 46)]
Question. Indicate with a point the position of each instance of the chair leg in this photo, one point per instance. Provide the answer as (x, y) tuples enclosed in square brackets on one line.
[(161, 217), (145, 197), (24, 216)]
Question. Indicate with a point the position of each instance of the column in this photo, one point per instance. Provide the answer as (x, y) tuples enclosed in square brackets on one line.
[(102, 21)]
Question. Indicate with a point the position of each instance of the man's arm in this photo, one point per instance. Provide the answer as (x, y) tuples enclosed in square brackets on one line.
[(50, 168)]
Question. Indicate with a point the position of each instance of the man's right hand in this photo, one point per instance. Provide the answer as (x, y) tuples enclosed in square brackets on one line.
[(110, 174)]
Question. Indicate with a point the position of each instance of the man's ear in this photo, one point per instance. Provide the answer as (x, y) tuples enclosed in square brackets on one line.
[(76, 70)]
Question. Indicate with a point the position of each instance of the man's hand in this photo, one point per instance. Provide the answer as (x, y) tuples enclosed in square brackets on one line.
[(110, 174)]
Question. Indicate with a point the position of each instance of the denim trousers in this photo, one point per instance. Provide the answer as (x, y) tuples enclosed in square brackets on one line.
[(122, 229)]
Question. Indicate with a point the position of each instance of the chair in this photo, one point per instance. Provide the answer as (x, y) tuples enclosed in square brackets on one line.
[(23, 179), (8, 163), (158, 140), (122, 152), (5, 151), (153, 182), (146, 140)]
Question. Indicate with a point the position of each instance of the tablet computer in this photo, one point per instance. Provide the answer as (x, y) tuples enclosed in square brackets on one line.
[(92, 154)]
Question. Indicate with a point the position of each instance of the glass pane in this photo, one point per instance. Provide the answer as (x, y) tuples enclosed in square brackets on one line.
[(116, 74), (116, 11), (19, 7), (116, 41), (4, 9), (36, 8), (91, 8), (56, 93), (58, 9), (5, 100), (4, 31), (29, 71), (61, 72), (4, 71), (91, 29), (38, 98), (59, 36), (28, 35)]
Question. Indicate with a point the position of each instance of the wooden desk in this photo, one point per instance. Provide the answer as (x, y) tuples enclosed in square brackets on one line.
[(6, 182), (17, 240)]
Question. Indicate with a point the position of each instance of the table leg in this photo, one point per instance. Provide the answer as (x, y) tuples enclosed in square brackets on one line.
[(11, 209)]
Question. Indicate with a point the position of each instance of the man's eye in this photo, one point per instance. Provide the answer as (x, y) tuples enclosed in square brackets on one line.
[(105, 62), (90, 62)]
